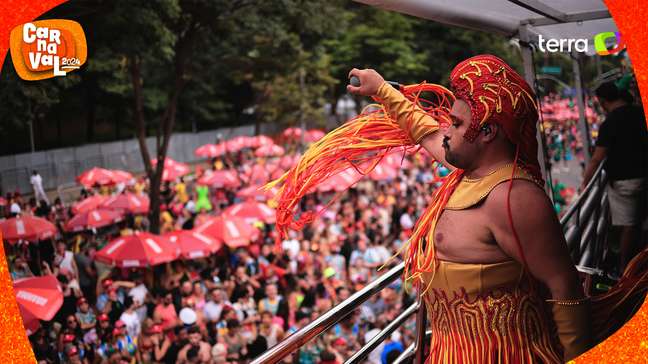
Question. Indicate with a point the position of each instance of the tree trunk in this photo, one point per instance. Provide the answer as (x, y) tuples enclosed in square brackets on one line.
[(183, 48), (140, 127)]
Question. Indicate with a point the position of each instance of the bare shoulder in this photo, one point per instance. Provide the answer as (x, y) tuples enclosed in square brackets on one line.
[(528, 201)]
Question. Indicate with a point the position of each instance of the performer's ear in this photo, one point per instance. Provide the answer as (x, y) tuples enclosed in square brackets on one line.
[(489, 131)]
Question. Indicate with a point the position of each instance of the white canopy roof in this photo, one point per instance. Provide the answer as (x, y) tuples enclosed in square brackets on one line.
[(557, 19)]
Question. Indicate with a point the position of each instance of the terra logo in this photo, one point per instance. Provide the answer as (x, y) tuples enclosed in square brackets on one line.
[(47, 48), (601, 43)]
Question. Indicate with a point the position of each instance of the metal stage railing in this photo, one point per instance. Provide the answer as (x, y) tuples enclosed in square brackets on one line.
[(584, 224)]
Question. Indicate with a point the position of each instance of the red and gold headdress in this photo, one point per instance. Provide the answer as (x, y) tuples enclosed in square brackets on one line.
[(497, 94)]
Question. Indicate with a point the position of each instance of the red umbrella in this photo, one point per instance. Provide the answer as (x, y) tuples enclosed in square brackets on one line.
[(277, 173), (93, 219), (257, 193), (210, 150), (252, 212), (234, 231), (102, 177), (122, 176), (172, 169), (38, 298), (30, 322), (88, 204), (289, 161), (27, 227), (269, 151), (193, 244), (219, 179), (383, 172), (130, 202), (261, 140), (314, 135), (238, 143), (340, 181), (138, 250), (292, 132), (258, 175)]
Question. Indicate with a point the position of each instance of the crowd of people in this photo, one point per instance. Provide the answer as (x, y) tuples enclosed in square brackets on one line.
[(232, 306), (564, 141), (235, 304)]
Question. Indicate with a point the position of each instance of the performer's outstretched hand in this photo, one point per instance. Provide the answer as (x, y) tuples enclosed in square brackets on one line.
[(370, 82)]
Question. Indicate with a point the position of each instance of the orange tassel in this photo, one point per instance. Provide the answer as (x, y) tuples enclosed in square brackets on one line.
[(362, 141)]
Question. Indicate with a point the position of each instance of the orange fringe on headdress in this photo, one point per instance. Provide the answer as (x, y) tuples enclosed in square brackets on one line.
[(364, 140)]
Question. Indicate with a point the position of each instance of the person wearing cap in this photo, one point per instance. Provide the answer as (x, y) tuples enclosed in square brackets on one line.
[(477, 236), (114, 307), (85, 315), (151, 345), (103, 328), (108, 285), (71, 338), (73, 356), (330, 356), (123, 341), (161, 342)]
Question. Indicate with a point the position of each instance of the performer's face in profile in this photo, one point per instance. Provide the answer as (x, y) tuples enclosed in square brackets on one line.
[(458, 151)]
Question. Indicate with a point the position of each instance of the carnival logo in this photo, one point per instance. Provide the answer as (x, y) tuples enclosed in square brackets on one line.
[(47, 48), (605, 43)]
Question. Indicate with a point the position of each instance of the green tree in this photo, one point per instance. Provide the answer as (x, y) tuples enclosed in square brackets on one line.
[(374, 38), (153, 61)]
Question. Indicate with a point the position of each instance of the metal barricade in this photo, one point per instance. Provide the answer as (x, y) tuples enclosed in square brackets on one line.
[(585, 225)]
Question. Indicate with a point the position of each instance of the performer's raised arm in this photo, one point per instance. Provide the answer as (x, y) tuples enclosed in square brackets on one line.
[(421, 127)]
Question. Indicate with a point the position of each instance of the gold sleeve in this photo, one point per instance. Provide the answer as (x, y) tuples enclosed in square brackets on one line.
[(411, 119), (573, 321)]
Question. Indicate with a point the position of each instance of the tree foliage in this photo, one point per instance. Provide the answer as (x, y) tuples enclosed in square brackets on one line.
[(159, 66)]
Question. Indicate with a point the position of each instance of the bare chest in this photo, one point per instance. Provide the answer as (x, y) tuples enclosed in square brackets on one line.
[(463, 236)]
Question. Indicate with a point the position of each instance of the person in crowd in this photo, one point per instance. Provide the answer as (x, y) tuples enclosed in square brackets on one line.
[(37, 186), (623, 144)]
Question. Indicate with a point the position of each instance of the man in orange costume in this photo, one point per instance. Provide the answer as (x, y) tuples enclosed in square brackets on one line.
[(489, 253)]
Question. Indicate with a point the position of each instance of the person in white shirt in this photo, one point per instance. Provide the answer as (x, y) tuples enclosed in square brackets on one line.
[(15, 208), (37, 185), (130, 318), (214, 307), (407, 219), (291, 247)]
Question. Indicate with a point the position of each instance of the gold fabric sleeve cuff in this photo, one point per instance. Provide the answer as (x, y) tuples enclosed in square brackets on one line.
[(410, 118), (574, 323)]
